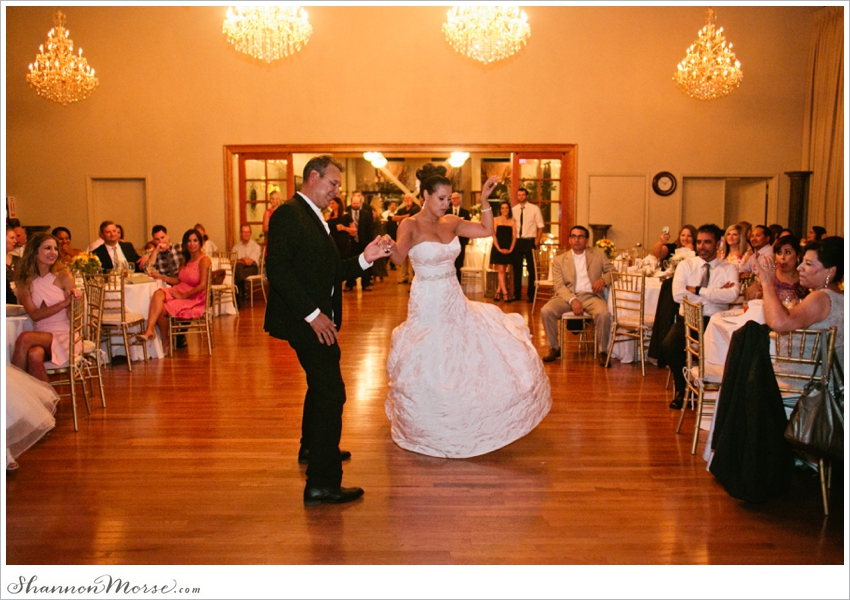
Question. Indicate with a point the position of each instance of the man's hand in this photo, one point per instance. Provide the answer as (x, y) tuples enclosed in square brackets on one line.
[(576, 306), (378, 248), (598, 285), (325, 329)]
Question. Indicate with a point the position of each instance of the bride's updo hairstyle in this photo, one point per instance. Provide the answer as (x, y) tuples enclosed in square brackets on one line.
[(430, 176)]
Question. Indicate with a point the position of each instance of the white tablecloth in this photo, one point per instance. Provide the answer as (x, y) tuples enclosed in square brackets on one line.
[(625, 351), (721, 326), (137, 298), (14, 327)]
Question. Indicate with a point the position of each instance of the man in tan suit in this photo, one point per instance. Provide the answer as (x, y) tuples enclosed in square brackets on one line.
[(580, 277)]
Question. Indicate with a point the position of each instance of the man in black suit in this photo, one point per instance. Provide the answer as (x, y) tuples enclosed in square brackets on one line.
[(113, 251), (457, 210), (361, 225), (305, 274)]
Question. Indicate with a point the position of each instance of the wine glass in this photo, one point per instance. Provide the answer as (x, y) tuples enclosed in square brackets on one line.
[(788, 298), (131, 267)]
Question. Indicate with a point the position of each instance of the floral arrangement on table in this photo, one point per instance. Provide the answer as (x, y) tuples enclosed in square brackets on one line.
[(607, 246), (679, 256), (86, 263)]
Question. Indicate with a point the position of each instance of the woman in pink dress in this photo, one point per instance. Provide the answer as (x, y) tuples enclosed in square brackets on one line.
[(44, 286), (187, 299)]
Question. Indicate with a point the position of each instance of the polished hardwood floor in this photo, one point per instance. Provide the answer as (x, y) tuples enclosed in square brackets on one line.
[(194, 462)]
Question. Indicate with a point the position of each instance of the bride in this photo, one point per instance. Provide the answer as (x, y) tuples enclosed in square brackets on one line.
[(464, 378)]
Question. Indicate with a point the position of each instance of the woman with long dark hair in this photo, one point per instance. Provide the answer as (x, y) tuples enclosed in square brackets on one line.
[(187, 299)]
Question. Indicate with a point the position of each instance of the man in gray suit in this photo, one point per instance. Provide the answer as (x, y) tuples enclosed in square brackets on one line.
[(580, 276)]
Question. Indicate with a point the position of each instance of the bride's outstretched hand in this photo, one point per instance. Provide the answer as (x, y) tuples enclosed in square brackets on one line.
[(488, 187), (380, 247)]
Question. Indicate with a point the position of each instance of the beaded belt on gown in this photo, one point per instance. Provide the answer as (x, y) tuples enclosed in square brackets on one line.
[(445, 275)]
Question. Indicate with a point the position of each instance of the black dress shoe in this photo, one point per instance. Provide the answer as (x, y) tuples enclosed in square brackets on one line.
[(304, 456), (678, 401), (180, 341), (314, 496), (511, 300), (603, 358), (552, 355)]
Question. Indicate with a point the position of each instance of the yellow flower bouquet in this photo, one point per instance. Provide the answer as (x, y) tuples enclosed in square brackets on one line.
[(86, 263), (607, 246)]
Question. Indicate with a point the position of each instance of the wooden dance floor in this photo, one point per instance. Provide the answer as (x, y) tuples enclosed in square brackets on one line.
[(194, 462)]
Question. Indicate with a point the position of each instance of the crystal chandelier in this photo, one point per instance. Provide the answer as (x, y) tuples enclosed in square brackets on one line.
[(487, 33), (710, 69), (267, 32), (57, 73)]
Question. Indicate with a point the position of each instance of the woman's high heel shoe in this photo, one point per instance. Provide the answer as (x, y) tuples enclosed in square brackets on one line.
[(497, 297)]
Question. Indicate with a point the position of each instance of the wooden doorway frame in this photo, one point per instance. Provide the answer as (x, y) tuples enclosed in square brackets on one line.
[(569, 166)]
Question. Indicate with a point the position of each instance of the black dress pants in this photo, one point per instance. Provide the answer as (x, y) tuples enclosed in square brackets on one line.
[(524, 251), (321, 421)]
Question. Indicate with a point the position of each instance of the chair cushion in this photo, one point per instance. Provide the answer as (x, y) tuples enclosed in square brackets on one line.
[(115, 318), (713, 373)]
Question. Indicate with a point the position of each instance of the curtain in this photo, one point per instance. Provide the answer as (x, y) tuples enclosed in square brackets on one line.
[(823, 129)]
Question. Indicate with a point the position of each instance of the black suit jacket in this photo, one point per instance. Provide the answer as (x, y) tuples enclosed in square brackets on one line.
[(365, 227), (463, 214), (305, 272), (106, 260)]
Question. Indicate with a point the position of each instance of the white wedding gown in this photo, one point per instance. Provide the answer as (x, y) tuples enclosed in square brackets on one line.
[(30, 405), (464, 378)]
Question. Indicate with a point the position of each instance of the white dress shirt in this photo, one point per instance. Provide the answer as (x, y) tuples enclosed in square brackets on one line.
[(714, 297), (582, 283), (530, 216), (364, 264), (750, 265), (249, 249)]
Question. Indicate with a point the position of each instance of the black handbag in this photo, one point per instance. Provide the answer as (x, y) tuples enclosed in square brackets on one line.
[(817, 422)]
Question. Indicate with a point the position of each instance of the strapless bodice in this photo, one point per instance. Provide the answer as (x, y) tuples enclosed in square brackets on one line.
[(434, 259)]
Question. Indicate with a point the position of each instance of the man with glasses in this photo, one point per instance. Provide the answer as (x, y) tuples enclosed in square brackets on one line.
[(530, 224), (580, 278)]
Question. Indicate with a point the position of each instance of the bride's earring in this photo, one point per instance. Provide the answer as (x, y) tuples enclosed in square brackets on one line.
[(826, 284)]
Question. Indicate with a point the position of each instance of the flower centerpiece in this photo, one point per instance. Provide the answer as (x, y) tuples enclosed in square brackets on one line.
[(86, 263), (607, 246)]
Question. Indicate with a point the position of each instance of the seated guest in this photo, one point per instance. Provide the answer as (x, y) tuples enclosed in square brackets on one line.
[(776, 229), (785, 232), (20, 240), (166, 257), (704, 278), (209, 248), (761, 240), (187, 299), (787, 255), (113, 253), (247, 261), (45, 287), (822, 271), (120, 232), (737, 248), (66, 252), (12, 261), (816, 234), (663, 249), (580, 277)]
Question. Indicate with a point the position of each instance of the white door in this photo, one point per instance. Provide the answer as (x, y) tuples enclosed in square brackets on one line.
[(124, 201)]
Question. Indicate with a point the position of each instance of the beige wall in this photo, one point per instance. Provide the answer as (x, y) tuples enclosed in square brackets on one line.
[(173, 92)]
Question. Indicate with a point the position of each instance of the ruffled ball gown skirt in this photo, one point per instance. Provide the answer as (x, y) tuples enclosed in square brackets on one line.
[(464, 378)]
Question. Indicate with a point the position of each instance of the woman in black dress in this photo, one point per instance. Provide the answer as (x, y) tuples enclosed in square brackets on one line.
[(503, 247), (334, 218)]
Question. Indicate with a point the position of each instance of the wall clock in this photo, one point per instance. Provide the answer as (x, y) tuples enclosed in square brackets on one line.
[(664, 183)]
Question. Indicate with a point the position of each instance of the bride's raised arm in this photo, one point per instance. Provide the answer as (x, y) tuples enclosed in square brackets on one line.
[(469, 229)]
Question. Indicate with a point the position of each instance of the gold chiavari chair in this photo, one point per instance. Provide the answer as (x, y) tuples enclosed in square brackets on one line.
[(698, 380), (199, 325), (71, 374), (628, 321), (258, 279), (95, 293), (796, 360), (225, 292), (117, 320)]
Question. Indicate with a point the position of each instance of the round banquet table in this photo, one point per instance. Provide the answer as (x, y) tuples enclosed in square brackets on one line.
[(137, 298), (625, 351), (15, 326)]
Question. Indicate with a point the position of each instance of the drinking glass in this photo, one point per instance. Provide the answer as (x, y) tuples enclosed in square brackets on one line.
[(789, 298), (131, 267)]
